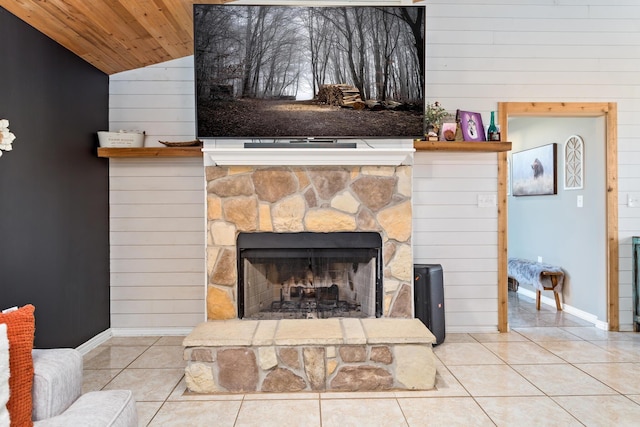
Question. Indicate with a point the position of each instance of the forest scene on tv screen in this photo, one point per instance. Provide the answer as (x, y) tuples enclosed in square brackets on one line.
[(299, 72)]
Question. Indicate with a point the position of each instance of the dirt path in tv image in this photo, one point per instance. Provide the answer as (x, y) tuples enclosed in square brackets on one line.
[(283, 118)]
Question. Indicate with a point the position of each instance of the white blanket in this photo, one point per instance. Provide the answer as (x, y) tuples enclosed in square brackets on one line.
[(4, 375)]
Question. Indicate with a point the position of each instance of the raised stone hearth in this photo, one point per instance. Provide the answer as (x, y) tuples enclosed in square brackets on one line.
[(246, 356), (303, 193)]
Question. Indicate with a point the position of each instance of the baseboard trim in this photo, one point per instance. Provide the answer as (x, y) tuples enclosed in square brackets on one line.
[(591, 318), (103, 337), (468, 329), (94, 342)]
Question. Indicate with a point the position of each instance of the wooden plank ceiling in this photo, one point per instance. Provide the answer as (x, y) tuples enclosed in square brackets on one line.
[(114, 35)]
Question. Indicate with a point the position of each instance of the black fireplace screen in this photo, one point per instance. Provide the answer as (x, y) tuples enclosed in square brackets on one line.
[(309, 275)]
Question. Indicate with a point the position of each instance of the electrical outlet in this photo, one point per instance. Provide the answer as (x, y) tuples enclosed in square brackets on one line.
[(633, 200), (539, 258)]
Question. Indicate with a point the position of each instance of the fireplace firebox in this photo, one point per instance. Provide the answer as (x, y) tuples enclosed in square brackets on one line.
[(309, 275)]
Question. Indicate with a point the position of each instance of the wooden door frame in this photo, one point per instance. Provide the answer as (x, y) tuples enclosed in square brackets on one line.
[(563, 109)]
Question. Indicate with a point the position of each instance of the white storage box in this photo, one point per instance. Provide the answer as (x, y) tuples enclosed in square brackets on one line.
[(121, 139)]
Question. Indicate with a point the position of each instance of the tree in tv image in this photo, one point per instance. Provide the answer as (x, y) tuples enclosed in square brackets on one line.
[(294, 71)]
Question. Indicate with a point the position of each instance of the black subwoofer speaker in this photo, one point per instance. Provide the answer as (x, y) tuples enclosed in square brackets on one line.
[(428, 294)]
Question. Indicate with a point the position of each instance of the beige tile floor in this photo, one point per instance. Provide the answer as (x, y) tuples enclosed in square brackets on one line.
[(551, 369)]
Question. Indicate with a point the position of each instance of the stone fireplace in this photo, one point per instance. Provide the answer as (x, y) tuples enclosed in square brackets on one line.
[(289, 200), (328, 232)]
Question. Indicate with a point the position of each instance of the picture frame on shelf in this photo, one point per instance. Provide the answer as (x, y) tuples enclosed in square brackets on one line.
[(535, 171), (471, 126), (448, 131)]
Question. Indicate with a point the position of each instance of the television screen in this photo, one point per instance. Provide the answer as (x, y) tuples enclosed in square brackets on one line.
[(280, 72)]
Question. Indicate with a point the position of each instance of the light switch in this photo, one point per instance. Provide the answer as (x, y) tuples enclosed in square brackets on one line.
[(579, 201)]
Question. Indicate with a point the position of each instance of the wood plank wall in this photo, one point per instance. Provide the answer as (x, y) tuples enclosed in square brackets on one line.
[(157, 206), (452, 230), (157, 233), (478, 54), (481, 52), (158, 99)]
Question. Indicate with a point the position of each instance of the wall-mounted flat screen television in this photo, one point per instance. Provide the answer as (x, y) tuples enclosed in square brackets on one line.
[(281, 72)]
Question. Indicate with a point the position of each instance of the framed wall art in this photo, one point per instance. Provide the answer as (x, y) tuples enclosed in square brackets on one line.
[(574, 163), (471, 125), (534, 172)]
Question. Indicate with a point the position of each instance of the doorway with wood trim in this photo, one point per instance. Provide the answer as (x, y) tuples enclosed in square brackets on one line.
[(608, 111)]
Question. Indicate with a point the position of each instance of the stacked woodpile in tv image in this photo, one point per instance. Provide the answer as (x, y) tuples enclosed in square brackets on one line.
[(348, 96)]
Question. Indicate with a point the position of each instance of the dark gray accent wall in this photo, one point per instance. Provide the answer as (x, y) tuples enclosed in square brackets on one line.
[(54, 210)]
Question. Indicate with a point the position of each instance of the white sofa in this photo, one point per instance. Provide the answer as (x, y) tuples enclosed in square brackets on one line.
[(58, 400)]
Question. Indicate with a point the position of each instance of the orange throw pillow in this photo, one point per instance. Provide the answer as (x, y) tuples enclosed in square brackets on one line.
[(20, 331)]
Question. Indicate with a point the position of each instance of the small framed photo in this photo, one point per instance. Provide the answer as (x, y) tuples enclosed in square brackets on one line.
[(448, 131), (471, 125)]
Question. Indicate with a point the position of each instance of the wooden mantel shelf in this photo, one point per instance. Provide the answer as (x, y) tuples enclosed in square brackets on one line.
[(150, 152), (479, 147), (419, 145)]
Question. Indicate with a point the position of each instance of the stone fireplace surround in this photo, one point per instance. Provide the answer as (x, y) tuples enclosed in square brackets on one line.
[(310, 190), (309, 198)]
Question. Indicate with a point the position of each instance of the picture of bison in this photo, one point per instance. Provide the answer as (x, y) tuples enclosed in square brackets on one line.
[(538, 170), (533, 171)]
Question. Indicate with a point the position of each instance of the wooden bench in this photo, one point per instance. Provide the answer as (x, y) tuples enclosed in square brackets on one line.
[(553, 275), (543, 277)]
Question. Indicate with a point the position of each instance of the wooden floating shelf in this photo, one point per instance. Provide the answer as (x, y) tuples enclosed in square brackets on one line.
[(150, 152), (479, 147), (419, 145)]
